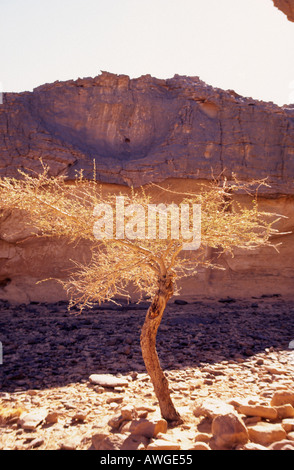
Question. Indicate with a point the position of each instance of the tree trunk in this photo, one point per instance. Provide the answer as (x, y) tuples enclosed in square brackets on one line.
[(149, 353)]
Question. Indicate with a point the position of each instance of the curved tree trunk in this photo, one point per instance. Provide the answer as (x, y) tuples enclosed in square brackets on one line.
[(149, 353)]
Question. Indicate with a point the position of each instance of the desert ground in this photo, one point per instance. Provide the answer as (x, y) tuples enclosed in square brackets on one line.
[(228, 362)]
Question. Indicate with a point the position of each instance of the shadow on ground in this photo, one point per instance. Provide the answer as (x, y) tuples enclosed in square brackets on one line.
[(46, 346)]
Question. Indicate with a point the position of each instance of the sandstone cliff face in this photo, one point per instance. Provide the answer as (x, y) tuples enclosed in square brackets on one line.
[(174, 131), (146, 130), (287, 7)]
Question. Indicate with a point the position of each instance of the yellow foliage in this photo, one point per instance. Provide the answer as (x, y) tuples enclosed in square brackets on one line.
[(58, 208)]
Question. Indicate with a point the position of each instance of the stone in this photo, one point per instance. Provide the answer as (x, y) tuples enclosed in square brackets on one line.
[(251, 446), (114, 400), (266, 433), (70, 443), (259, 362), (251, 420), (161, 444), (135, 442), (285, 411), (266, 412), (52, 417), (80, 415), (128, 413), (288, 424), (287, 7), (200, 446), (228, 431), (108, 380), (275, 370), (33, 419), (108, 441), (283, 397), (212, 408), (202, 437), (97, 439), (285, 444), (112, 442), (145, 427), (116, 421), (37, 442)]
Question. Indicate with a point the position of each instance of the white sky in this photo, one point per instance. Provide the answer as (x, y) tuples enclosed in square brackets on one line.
[(245, 45)]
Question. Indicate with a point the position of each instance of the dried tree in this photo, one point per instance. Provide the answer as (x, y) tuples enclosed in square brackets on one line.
[(152, 264)]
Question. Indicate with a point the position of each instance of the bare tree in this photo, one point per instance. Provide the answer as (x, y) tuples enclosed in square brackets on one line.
[(130, 250)]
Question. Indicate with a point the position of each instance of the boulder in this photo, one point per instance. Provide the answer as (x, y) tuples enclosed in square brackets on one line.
[(266, 412), (287, 7), (228, 431), (266, 433), (283, 397), (145, 427), (285, 411), (127, 413), (212, 407), (112, 442)]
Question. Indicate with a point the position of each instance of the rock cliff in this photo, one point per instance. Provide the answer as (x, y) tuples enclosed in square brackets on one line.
[(174, 131), (146, 129), (287, 7)]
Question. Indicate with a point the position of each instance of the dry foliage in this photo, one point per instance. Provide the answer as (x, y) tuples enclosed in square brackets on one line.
[(56, 207)]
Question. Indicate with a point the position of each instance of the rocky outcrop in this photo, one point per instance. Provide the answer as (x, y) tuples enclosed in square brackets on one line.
[(287, 7), (175, 131), (146, 129)]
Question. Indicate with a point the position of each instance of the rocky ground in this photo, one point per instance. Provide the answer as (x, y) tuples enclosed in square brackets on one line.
[(228, 362)]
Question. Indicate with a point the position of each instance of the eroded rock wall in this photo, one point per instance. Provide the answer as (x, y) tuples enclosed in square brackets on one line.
[(287, 7), (146, 129), (174, 131)]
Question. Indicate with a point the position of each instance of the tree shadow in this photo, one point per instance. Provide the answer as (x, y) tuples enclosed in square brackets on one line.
[(44, 345)]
